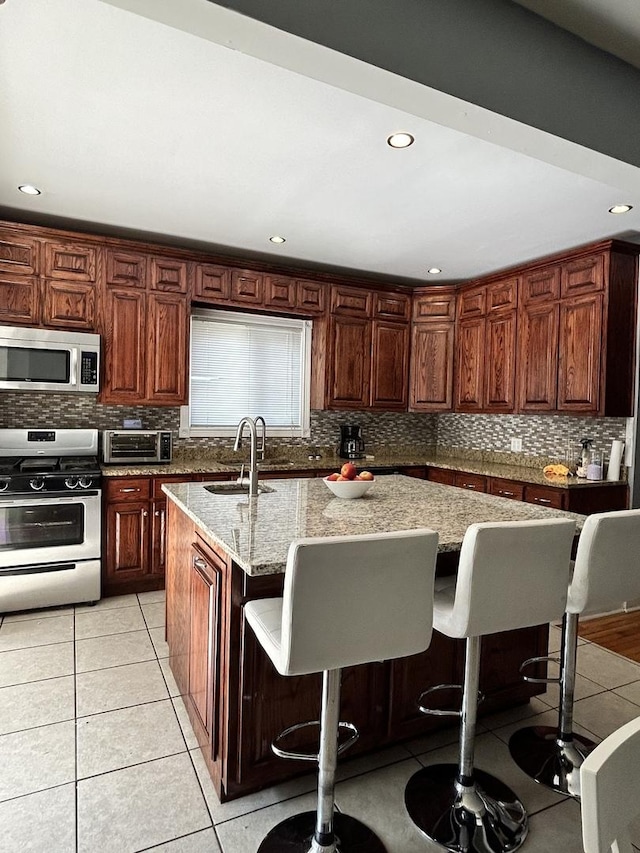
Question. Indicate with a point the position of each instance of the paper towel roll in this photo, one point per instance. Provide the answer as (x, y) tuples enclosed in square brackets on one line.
[(613, 471)]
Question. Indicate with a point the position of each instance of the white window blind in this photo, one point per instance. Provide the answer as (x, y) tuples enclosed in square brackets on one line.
[(243, 364)]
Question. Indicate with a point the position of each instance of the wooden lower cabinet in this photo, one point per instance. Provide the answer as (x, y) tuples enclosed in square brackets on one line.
[(237, 702)]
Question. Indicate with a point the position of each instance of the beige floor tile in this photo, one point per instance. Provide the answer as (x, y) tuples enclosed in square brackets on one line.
[(630, 692), (584, 687), (556, 829), (244, 834), (204, 841), (110, 603), (36, 632), (547, 718), (604, 713), (118, 739), (172, 685), (606, 668), (512, 715), (36, 664), (39, 703), (140, 806), (185, 723), (119, 687), (103, 622), (114, 650), (46, 613), (45, 821), (36, 759), (154, 614), (152, 597), (159, 644)]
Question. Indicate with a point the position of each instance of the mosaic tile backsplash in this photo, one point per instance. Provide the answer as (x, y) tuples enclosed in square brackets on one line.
[(542, 436)]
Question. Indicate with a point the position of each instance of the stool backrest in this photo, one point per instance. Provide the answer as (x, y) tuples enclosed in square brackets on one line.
[(512, 574), (607, 567), (356, 599), (609, 782)]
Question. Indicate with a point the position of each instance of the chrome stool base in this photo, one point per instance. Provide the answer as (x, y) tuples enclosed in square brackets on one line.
[(548, 759), (485, 817), (296, 835)]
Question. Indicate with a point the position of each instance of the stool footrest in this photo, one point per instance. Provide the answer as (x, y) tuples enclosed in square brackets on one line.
[(437, 712), (306, 756), (540, 659)]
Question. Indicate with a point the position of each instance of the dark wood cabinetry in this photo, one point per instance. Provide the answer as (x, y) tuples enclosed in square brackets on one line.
[(70, 261), (19, 300), (69, 304), (432, 350), (19, 253)]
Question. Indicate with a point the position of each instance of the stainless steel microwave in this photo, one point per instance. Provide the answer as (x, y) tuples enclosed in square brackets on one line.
[(128, 446), (48, 360)]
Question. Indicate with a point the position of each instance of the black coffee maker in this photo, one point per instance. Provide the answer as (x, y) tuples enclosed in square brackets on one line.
[(351, 442)]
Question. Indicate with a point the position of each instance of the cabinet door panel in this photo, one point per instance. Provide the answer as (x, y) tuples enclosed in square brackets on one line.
[(19, 301), (390, 368), (392, 305), (167, 355), (472, 302), (541, 286), (472, 482), (247, 286), (500, 362), (311, 296), (506, 488), (19, 255), (579, 354), (470, 366), (432, 367), (212, 282), (69, 305), (125, 269), (538, 358), (351, 351), (168, 274), (441, 475), (127, 541), (554, 498), (437, 306), (70, 261), (583, 275), (126, 346), (353, 301), (502, 295), (202, 645), (279, 292)]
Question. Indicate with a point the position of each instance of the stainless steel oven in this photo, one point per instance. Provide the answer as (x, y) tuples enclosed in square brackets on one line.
[(50, 519)]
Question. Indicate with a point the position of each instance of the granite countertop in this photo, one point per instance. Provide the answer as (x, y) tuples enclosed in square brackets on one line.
[(256, 532), (519, 473)]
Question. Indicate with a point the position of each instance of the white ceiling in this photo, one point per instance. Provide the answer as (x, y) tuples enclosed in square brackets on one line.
[(123, 121)]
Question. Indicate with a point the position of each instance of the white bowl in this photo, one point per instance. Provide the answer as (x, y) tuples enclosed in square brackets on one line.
[(348, 489)]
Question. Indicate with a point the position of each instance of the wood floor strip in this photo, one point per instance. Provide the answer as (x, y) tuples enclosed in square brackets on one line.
[(619, 633)]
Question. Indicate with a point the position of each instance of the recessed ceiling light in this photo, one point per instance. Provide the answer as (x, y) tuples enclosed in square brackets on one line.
[(434, 271), (276, 239), (621, 208), (29, 189), (400, 140)]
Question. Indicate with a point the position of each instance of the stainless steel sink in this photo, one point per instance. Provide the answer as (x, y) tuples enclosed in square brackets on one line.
[(235, 489)]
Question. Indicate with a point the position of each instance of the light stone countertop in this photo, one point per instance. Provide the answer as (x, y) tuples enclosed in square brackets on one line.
[(256, 532)]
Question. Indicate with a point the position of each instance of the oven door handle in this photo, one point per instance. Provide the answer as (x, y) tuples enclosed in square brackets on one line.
[(38, 569), (41, 498)]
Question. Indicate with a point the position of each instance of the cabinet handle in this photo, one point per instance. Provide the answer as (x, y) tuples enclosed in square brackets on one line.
[(506, 494), (157, 513), (469, 486), (542, 500), (145, 513), (130, 489), (199, 563)]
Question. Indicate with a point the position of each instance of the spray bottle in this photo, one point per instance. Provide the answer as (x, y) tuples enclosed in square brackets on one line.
[(585, 457)]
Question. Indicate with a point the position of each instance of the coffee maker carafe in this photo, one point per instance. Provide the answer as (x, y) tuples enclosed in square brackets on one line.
[(351, 442)]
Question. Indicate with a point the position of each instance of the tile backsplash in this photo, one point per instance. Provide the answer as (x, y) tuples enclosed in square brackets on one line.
[(541, 435)]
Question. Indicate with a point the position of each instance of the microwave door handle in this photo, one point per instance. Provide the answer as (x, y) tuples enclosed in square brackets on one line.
[(73, 368)]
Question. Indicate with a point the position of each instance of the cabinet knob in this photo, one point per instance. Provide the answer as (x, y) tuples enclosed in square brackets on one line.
[(157, 513), (199, 563), (144, 513)]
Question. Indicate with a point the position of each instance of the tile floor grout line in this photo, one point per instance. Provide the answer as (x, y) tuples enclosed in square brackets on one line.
[(130, 766)]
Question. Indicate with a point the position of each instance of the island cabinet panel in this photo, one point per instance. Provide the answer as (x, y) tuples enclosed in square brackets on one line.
[(19, 300), (19, 253), (390, 365), (69, 304)]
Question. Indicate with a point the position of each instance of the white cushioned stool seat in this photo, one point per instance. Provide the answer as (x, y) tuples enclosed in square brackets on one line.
[(347, 600), (606, 573)]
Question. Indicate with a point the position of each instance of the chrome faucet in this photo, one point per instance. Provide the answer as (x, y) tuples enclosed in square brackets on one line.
[(252, 479), (263, 437)]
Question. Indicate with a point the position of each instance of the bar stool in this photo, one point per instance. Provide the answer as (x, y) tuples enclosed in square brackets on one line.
[(606, 573), (347, 600), (511, 575)]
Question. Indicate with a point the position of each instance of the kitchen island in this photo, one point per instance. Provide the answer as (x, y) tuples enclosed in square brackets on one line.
[(225, 549)]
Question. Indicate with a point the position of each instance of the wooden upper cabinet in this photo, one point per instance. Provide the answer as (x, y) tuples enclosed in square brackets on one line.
[(389, 365), (167, 324), (432, 367), (126, 346), (350, 363), (247, 286), (212, 282), (472, 302), (394, 306), (125, 269), (69, 261), (69, 304), (311, 296), (19, 254), (351, 301), (279, 292), (541, 285), (582, 275), (470, 362), (502, 295), (538, 357), (579, 356), (437, 306), (19, 300), (169, 275), (500, 355)]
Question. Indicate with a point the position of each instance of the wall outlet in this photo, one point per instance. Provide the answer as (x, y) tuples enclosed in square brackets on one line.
[(516, 445)]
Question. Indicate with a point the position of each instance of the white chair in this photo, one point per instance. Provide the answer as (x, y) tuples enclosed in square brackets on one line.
[(606, 573), (347, 600), (511, 575), (610, 778)]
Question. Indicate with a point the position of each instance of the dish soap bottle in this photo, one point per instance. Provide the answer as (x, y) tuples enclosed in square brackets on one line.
[(585, 456)]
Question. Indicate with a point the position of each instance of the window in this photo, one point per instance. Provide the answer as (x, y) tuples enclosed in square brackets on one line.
[(246, 364)]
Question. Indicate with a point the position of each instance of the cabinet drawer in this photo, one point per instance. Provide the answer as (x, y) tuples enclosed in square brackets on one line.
[(394, 305), (553, 498), (584, 275), (506, 489), (473, 482), (472, 303), (127, 489), (502, 295), (441, 475), (158, 482), (351, 301), (439, 306)]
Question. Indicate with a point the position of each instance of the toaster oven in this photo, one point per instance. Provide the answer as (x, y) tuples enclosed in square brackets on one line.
[(125, 446)]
